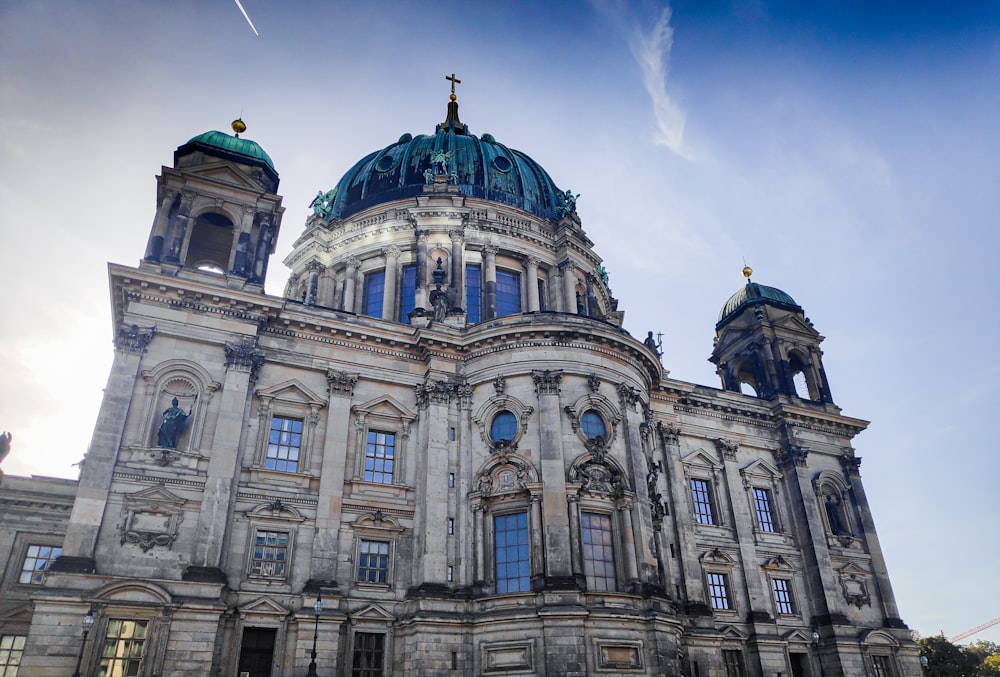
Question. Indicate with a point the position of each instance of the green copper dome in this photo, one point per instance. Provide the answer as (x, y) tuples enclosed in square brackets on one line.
[(755, 294), (232, 148), (478, 166)]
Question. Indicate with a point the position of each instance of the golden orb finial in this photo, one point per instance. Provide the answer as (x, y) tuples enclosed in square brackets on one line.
[(239, 126), (452, 97), (747, 271)]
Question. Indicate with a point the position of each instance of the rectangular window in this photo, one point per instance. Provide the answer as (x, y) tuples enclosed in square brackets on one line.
[(882, 665), (718, 591), (782, 595), (702, 498), (407, 292), (542, 305), (36, 561), (373, 562), (473, 294), (734, 662), (369, 652), (124, 646), (598, 551), (764, 508), (11, 651), (380, 457), (374, 291), (508, 293), (510, 551), (270, 554), (284, 444)]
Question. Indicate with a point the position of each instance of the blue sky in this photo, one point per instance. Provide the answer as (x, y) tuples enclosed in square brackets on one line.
[(847, 150)]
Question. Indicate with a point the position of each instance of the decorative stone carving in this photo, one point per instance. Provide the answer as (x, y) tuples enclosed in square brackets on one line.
[(594, 381), (134, 339), (854, 585), (628, 395), (499, 385), (340, 382), (851, 465), (438, 392), (151, 518), (547, 381), (727, 447), (669, 432), (656, 507), (245, 356), (791, 456)]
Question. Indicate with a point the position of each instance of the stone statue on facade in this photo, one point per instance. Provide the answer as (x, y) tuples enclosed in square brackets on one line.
[(567, 203), (440, 160), (5, 441), (428, 176), (172, 424), (322, 204)]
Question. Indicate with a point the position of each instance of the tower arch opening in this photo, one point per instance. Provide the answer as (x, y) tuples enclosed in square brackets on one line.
[(211, 243)]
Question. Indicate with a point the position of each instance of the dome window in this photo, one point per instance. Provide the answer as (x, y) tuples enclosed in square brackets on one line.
[(593, 425), (503, 428), (386, 163), (502, 164)]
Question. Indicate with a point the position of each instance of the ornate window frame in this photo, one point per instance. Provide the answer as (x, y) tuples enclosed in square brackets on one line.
[(605, 409), (760, 474), (288, 399), (828, 484), (881, 644), (278, 517), (134, 601), (502, 402), (701, 465), (372, 619), (151, 518), (382, 414), (718, 562), (779, 568), (377, 527)]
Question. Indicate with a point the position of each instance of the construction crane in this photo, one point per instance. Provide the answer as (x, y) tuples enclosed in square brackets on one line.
[(969, 633)]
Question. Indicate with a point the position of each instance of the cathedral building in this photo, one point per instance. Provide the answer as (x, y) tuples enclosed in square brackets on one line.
[(439, 453)]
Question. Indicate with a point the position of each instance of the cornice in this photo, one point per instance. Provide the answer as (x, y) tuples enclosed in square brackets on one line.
[(156, 480)]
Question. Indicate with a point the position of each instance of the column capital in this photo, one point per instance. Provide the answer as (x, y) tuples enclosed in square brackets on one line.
[(353, 262), (134, 339), (727, 447), (531, 262), (392, 251), (547, 381), (457, 236), (244, 356), (490, 249), (340, 382)]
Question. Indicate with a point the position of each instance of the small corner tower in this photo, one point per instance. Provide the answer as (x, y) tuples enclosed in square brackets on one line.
[(217, 210), (765, 346)]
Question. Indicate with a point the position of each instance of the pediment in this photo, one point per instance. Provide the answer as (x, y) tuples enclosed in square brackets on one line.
[(798, 636), (370, 613), (852, 569), (717, 556), (384, 406), (878, 638), (761, 468), (222, 171), (291, 391), (732, 632), (703, 458), (263, 606), (778, 563), (377, 521), (137, 592), (155, 496), (797, 324), (277, 510), (20, 613)]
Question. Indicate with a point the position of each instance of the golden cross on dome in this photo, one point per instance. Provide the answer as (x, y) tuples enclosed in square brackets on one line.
[(454, 81)]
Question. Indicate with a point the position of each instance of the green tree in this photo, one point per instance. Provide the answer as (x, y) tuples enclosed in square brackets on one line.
[(944, 659)]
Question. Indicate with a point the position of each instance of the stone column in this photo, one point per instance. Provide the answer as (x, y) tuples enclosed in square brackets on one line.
[(327, 285), (575, 547), (690, 581), (489, 282), (479, 536), (243, 360), (265, 242), (628, 532), (178, 228), (458, 267), (531, 280), (569, 285), (312, 293), (350, 283), (535, 527), (241, 256), (154, 248), (420, 293), (558, 564), (98, 467), (331, 469), (389, 295), (643, 556), (431, 479)]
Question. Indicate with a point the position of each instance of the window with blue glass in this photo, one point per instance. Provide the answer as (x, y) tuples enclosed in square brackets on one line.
[(380, 457), (508, 293), (473, 293), (593, 425), (504, 427), (284, 444), (512, 565), (407, 292), (598, 551), (374, 291), (542, 305)]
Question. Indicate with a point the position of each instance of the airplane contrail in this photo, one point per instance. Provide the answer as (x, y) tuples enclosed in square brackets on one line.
[(247, 17)]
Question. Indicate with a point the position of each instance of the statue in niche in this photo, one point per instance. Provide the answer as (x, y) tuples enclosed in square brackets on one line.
[(172, 425), (428, 176), (439, 300), (833, 513)]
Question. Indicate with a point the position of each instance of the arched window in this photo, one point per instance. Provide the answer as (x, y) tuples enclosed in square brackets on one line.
[(801, 378), (211, 243)]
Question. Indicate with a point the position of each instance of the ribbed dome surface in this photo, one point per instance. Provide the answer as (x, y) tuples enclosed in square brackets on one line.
[(241, 150), (483, 168), (753, 294)]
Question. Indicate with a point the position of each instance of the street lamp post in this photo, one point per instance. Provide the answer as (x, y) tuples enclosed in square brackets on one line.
[(318, 608), (88, 623)]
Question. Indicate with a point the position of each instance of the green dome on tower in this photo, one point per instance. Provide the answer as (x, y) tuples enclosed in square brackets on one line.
[(231, 147)]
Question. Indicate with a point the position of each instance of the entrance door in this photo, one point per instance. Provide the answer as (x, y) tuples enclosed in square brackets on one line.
[(257, 652), (799, 662)]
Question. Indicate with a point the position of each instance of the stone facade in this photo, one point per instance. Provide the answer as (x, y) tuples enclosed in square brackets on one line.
[(444, 432)]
